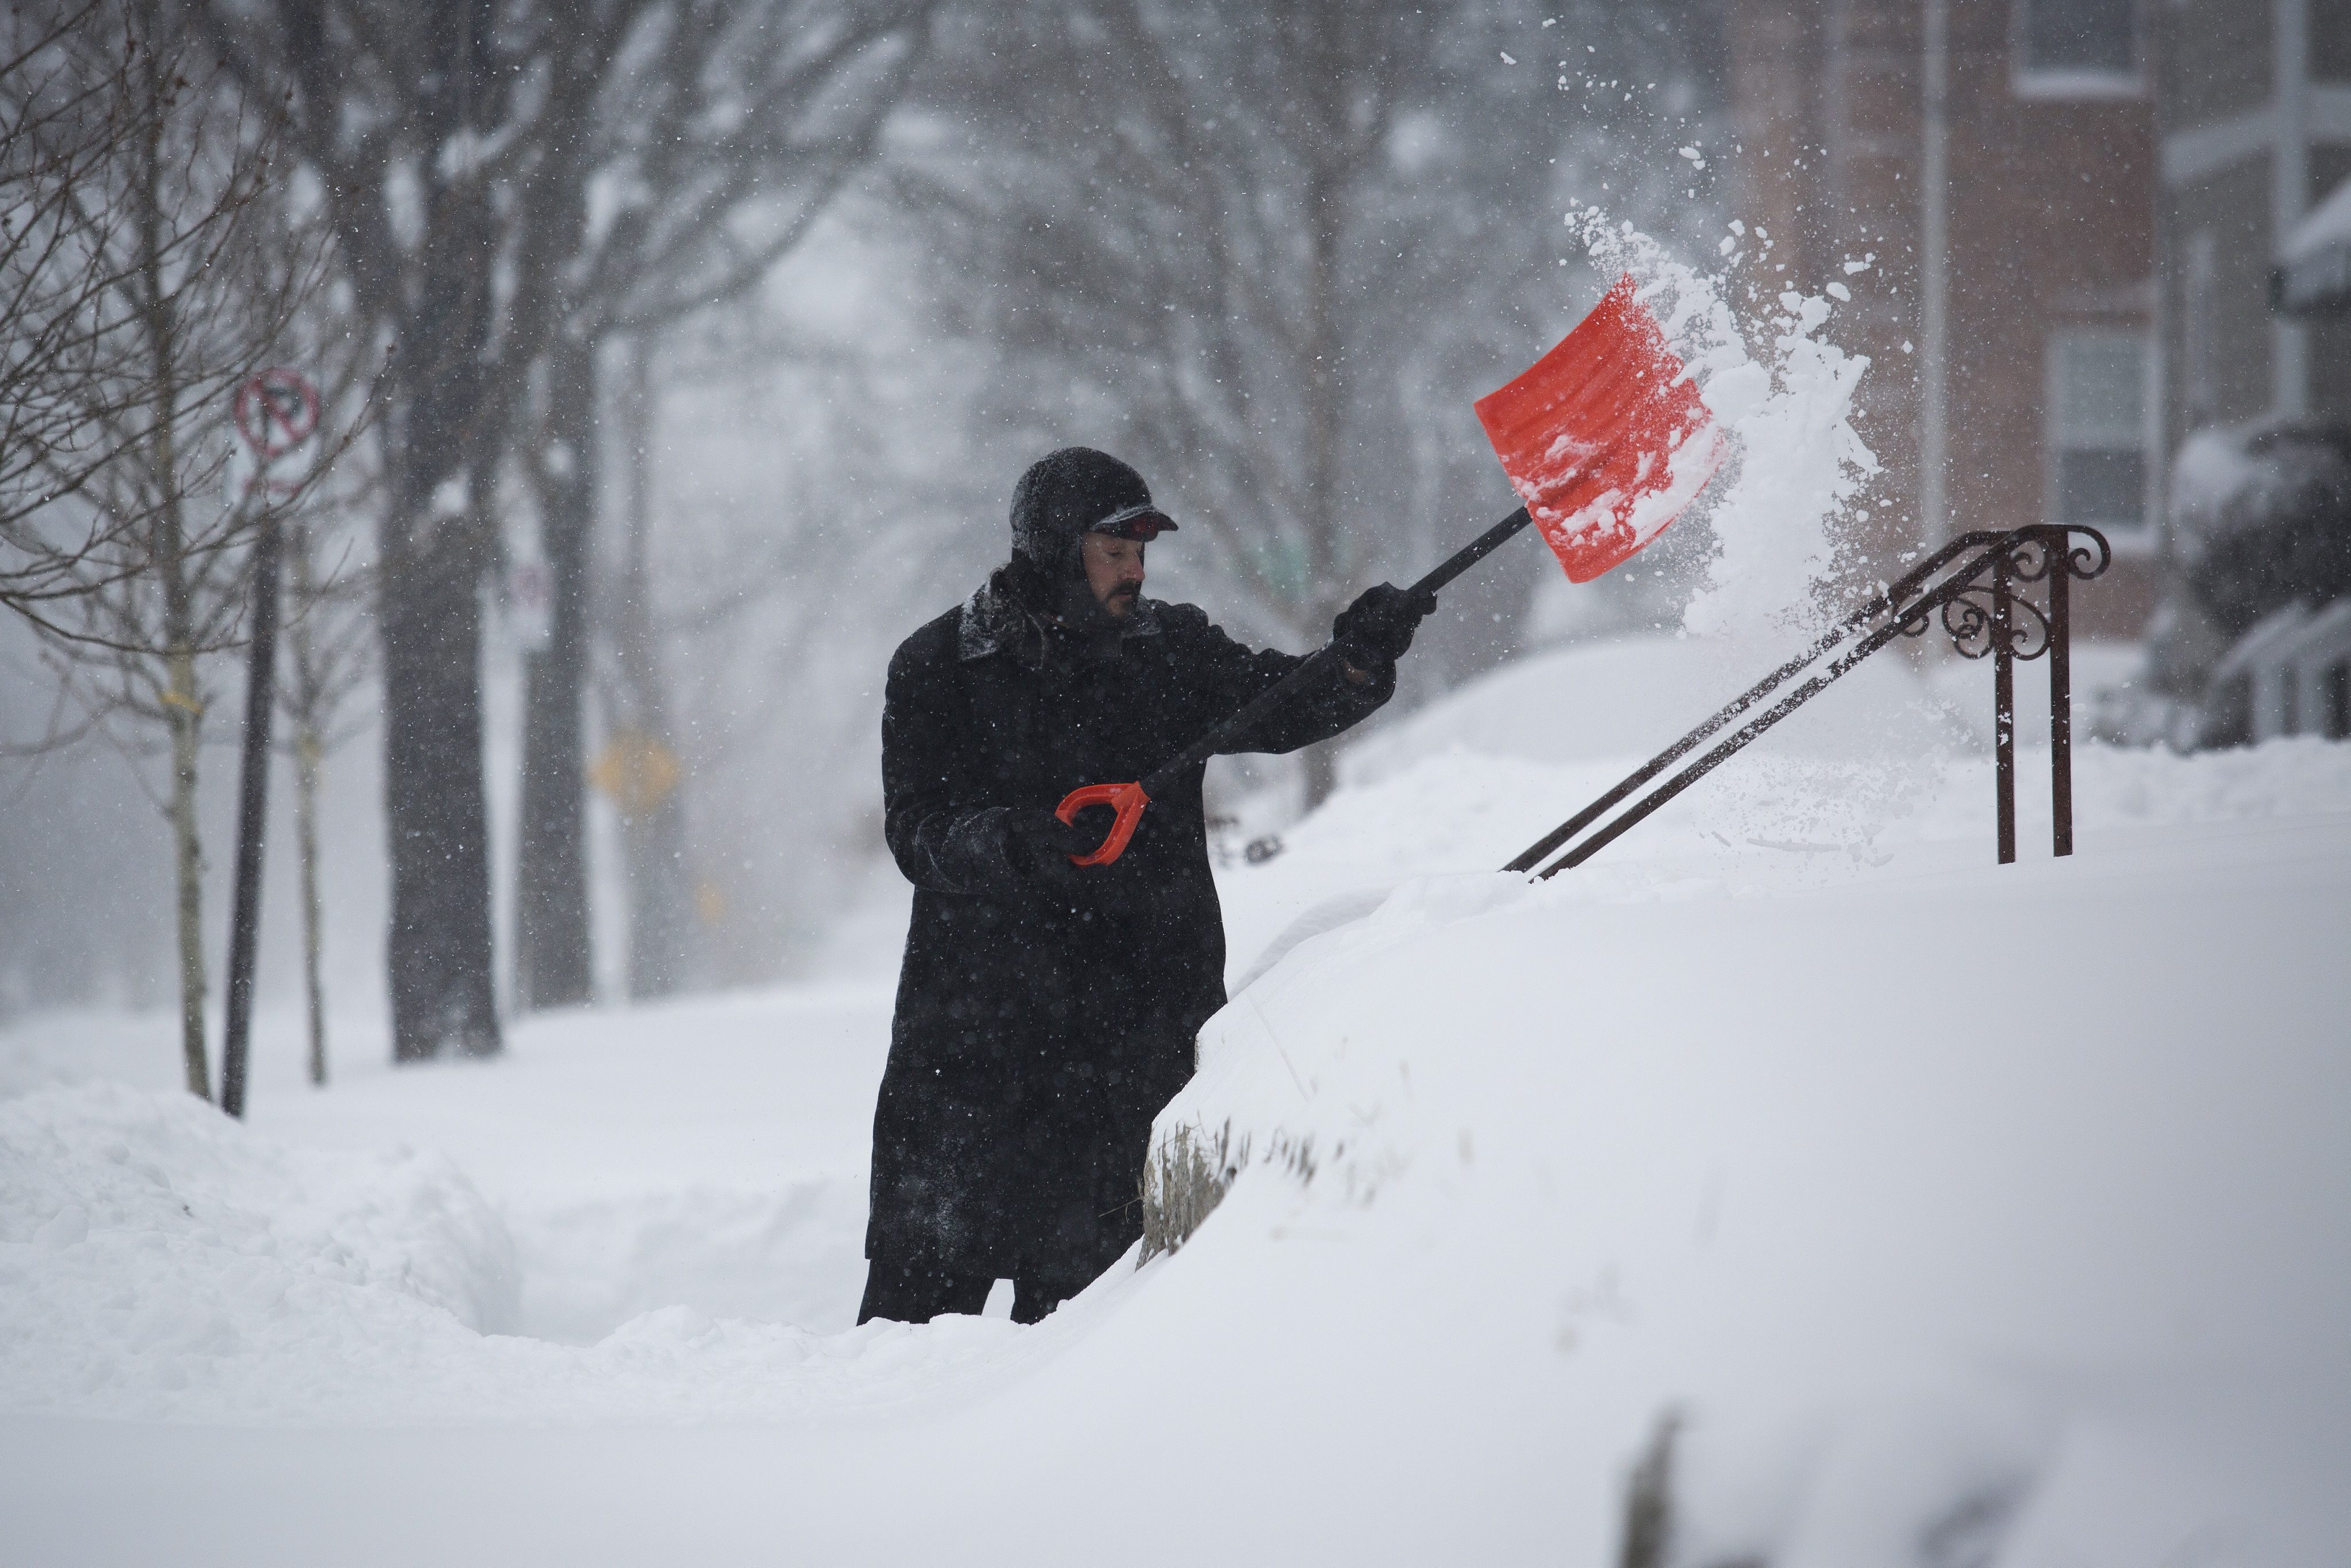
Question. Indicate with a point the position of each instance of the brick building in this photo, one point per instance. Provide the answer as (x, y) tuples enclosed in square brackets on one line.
[(2000, 159), (2254, 114)]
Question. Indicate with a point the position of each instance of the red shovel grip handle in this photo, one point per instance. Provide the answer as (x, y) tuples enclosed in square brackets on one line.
[(1126, 799)]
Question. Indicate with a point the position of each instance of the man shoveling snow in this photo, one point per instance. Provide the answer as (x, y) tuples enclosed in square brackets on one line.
[(1056, 977), (1048, 1008)]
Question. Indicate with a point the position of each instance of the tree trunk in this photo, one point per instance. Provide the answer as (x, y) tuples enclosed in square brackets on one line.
[(440, 947), (307, 702), (443, 443), (661, 896), (308, 751), (188, 860), (160, 331), (551, 871), (429, 616)]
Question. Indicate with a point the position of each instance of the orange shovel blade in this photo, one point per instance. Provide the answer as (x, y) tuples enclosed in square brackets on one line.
[(1605, 438)]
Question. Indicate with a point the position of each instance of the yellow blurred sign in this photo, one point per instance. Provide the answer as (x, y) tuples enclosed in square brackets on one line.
[(636, 772)]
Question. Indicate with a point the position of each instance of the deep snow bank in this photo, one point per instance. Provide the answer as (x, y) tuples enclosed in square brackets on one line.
[(658, 1219), (149, 1245), (707, 1151), (160, 1261), (1937, 1201)]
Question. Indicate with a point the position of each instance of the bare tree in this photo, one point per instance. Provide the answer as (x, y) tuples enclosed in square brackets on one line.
[(202, 272), (720, 150), (454, 139), (330, 632), (60, 121), (87, 95), (426, 126)]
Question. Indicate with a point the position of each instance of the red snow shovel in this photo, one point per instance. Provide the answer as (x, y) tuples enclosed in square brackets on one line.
[(1605, 438)]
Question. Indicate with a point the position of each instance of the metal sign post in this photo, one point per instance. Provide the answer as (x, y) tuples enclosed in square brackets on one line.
[(276, 412)]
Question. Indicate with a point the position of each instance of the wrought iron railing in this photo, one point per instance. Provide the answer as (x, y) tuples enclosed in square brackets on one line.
[(1972, 585)]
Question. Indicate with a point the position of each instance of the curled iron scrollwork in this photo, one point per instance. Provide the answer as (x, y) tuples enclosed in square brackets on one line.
[(2081, 563), (1965, 605), (1968, 622), (1969, 618), (1974, 585), (2028, 558)]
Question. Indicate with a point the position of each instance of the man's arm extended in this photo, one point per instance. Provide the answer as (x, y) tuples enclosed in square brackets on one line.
[(1321, 708)]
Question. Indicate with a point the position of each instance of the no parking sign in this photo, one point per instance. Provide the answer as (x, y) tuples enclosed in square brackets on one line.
[(276, 412)]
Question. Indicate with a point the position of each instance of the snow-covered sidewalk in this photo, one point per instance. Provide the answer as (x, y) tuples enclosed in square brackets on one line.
[(319, 1269)]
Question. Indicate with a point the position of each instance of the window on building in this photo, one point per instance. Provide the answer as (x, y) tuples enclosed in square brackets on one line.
[(2098, 427), (2085, 42)]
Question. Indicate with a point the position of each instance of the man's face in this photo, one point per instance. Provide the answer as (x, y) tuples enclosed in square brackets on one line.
[(1113, 571)]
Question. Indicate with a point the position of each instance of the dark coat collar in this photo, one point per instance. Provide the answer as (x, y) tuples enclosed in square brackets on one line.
[(995, 621)]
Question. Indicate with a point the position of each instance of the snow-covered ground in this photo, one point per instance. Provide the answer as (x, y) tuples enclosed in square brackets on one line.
[(1946, 1214)]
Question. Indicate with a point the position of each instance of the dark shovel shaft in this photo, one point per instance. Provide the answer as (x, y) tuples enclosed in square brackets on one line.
[(1471, 554), (1163, 776)]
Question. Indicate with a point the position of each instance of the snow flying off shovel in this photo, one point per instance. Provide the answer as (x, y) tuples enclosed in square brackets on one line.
[(1605, 438)]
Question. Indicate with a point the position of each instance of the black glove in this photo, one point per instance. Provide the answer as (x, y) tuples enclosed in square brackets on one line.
[(1380, 623), (1040, 844)]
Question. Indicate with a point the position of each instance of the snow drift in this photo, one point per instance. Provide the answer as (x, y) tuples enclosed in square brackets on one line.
[(149, 1244), (1933, 1200)]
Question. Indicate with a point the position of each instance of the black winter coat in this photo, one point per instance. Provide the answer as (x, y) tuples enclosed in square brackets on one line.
[(1039, 1030)]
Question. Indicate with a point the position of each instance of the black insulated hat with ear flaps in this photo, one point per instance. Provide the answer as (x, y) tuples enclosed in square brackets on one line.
[(1076, 491)]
